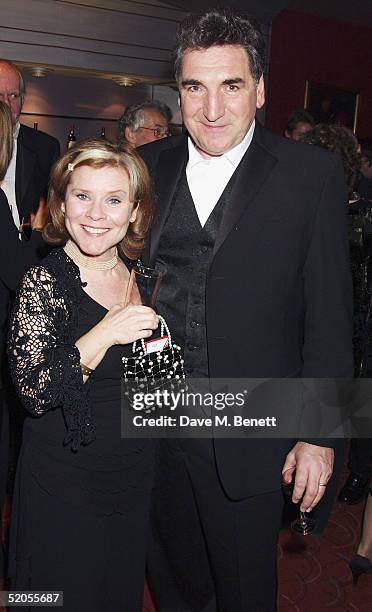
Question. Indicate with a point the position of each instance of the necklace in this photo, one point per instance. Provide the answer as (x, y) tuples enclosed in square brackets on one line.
[(73, 251)]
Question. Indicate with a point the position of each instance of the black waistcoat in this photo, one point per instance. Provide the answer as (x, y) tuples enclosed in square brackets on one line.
[(186, 249)]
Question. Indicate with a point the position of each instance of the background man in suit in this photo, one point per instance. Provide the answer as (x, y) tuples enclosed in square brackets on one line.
[(145, 122), (25, 184), (34, 153), (299, 122), (252, 229)]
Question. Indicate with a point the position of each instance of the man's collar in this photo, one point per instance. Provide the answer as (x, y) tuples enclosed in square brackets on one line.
[(234, 156), (16, 130)]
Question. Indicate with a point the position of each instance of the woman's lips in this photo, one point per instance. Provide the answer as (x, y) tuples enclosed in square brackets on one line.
[(95, 230)]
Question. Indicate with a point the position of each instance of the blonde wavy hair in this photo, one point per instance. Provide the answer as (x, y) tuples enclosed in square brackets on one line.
[(98, 153), (6, 139)]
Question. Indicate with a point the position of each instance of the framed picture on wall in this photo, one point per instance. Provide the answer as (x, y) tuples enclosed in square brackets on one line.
[(328, 104)]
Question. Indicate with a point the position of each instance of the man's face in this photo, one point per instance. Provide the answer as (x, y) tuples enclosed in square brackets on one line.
[(300, 129), (9, 90), (153, 121), (218, 97)]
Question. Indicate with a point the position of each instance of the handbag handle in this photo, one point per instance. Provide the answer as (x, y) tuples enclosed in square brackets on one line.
[(163, 328)]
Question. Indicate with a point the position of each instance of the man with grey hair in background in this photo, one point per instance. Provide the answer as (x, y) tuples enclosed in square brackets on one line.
[(144, 122)]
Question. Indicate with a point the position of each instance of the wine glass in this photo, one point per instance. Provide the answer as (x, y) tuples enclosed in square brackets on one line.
[(25, 228), (144, 284), (36, 220), (304, 524)]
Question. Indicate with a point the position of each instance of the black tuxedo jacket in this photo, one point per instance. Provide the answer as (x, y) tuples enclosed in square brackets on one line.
[(36, 154), (15, 258), (279, 296)]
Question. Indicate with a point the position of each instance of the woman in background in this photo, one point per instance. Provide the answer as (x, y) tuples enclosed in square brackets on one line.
[(341, 140)]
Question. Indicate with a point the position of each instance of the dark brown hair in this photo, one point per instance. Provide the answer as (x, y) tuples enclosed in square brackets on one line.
[(98, 153), (217, 27), (299, 116), (337, 138)]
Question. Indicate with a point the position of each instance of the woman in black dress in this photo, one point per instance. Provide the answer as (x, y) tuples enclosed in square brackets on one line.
[(79, 522), (342, 141)]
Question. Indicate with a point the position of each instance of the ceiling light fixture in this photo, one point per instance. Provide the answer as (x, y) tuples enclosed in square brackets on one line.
[(39, 71), (126, 81)]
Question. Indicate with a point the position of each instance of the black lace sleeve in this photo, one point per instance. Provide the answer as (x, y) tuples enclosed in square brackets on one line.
[(44, 361)]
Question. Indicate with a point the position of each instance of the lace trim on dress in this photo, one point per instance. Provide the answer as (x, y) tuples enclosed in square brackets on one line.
[(44, 361)]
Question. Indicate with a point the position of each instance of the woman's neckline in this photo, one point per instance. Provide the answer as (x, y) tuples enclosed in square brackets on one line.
[(90, 263)]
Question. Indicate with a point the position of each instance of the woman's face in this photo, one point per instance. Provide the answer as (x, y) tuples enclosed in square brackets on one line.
[(97, 209)]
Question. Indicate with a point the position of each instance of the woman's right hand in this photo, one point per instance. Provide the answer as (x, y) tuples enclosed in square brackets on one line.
[(125, 324)]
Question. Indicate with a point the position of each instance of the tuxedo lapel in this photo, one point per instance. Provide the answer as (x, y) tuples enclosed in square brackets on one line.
[(171, 163), (25, 166), (252, 173)]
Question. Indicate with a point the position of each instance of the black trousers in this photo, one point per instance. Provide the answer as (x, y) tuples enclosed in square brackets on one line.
[(360, 456), (4, 452), (207, 552)]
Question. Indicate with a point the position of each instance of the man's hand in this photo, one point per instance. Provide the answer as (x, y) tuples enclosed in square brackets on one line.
[(40, 218), (313, 466)]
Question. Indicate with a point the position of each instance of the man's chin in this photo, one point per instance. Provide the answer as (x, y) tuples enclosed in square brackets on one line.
[(211, 150)]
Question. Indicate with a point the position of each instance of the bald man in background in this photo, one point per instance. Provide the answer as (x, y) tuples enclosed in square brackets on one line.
[(25, 184), (34, 151)]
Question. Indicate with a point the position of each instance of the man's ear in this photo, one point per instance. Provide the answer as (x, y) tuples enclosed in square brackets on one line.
[(260, 93), (130, 136), (287, 134), (63, 209)]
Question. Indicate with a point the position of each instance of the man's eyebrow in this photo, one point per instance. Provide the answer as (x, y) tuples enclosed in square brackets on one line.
[(236, 81), (188, 82)]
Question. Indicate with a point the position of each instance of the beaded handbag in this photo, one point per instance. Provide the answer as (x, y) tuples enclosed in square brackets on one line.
[(147, 372)]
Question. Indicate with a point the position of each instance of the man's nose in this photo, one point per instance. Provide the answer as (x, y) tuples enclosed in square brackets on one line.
[(4, 97), (214, 107)]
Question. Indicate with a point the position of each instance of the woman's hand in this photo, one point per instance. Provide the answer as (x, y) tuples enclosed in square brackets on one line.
[(125, 324), (121, 325)]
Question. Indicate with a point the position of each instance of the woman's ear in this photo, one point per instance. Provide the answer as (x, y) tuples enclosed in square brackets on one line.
[(133, 216), (63, 208)]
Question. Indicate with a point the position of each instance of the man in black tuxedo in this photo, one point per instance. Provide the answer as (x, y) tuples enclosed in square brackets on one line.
[(34, 152), (252, 229), (25, 183)]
